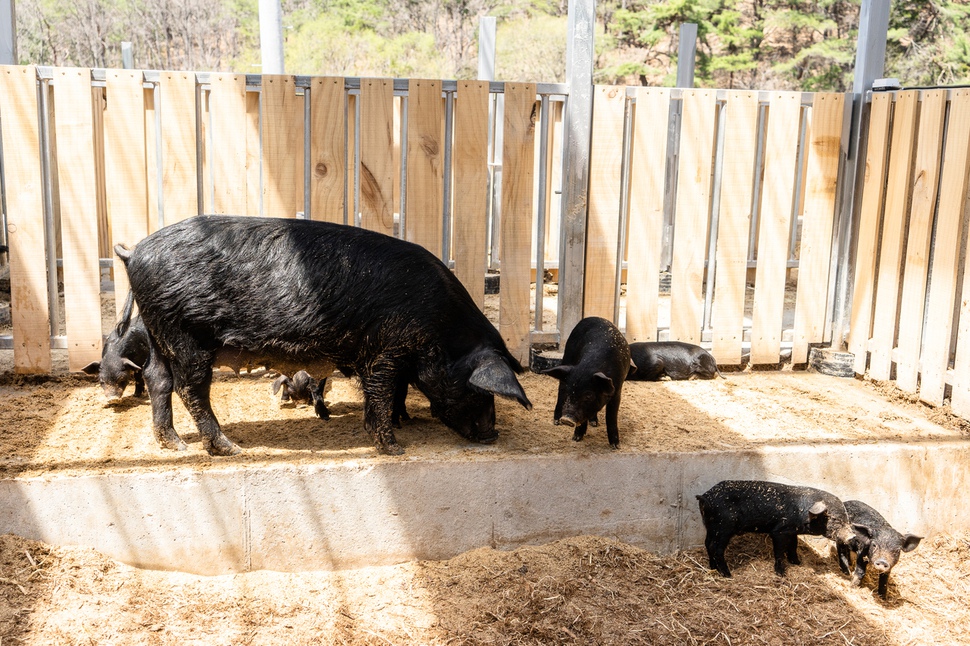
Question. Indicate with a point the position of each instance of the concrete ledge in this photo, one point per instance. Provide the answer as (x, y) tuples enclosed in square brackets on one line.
[(357, 514)]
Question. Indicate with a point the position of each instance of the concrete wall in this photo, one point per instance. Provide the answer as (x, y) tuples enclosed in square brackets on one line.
[(356, 514)]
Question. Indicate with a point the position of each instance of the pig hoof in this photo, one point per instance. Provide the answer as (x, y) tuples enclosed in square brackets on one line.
[(594, 422), (223, 446), (487, 440), (321, 410), (577, 437), (174, 445), (392, 448), (615, 447), (557, 422)]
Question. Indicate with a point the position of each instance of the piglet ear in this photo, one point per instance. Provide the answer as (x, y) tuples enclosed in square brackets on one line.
[(495, 376), (559, 372), (817, 509), (910, 542), (632, 369), (863, 532), (131, 364), (605, 383), (279, 381), (92, 368)]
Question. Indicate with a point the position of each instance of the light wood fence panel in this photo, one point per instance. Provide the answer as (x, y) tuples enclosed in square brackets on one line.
[(282, 135), (815, 251), (29, 309), (873, 183), (518, 152), (229, 124), (328, 143), (74, 130), (377, 155), (899, 183), (916, 262), (425, 165), (692, 215), (180, 173), (734, 225), (254, 162), (946, 254), (603, 220), (774, 226), (647, 172), (125, 167), (471, 186)]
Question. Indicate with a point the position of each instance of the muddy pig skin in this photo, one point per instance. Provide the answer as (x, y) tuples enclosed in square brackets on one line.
[(595, 362), (674, 359), (876, 543), (123, 356), (733, 507), (307, 295)]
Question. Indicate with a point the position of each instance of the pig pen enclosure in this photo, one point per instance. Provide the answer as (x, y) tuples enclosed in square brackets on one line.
[(714, 217)]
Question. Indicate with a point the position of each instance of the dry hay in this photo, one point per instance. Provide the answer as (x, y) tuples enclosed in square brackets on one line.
[(579, 590)]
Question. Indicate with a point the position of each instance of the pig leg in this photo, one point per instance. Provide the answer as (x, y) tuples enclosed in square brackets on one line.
[(158, 379), (579, 433), (860, 569), (716, 544), (612, 428), (192, 383), (883, 584), (779, 545), (400, 411), (139, 385), (791, 551), (595, 422), (319, 406), (845, 560), (379, 385)]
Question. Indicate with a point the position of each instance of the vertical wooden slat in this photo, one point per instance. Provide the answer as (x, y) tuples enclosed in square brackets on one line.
[(691, 217), (283, 125), (74, 129), (29, 309), (125, 167), (151, 158), (518, 154), (873, 187), (377, 154), (254, 161), (815, 253), (104, 222), (470, 160), (894, 226), (328, 168), (774, 227), (180, 174), (946, 258), (228, 122), (734, 225), (916, 263), (603, 221), (647, 172), (425, 164)]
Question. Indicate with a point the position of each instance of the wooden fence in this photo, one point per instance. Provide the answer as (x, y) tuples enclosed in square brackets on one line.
[(747, 197)]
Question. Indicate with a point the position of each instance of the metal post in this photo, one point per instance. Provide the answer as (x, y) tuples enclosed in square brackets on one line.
[(8, 32), (870, 65), (486, 72), (686, 52), (271, 36), (577, 131), (486, 48), (127, 57)]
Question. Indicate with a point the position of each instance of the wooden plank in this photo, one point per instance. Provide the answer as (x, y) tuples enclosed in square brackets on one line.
[(228, 122), (873, 187), (647, 173), (734, 225), (692, 215), (518, 153), (180, 173), (125, 167), (815, 252), (254, 161), (425, 165), (104, 222), (151, 158), (283, 125), (74, 130), (946, 260), (29, 307), (774, 226), (328, 145), (916, 262), (470, 160), (377, 154), (603, 221), (899, 183)]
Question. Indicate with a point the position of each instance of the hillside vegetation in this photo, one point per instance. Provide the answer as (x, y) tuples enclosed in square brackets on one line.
[(765, 44)]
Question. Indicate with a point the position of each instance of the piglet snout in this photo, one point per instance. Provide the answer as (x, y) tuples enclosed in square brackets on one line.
[(882, 565), (567, 421)]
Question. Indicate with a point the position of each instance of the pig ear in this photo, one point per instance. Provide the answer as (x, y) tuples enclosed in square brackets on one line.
[(131, 364), (864, 532), (817, 509), (92, 368), (910, 542), (559, 372), (279, 381), (633, 368), (495, 376), (605, 383)]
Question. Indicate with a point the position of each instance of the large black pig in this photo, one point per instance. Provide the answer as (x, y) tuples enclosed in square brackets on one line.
[(733, 507), (123, 356), (300, 294), (875, 543), (674, 359), (595, 363)]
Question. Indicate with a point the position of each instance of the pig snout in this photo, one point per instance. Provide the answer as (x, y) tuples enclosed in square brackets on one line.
[(567, 420), (882, 565), (112, 393)]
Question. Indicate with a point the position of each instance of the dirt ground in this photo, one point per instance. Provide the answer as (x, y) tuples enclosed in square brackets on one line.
[(588, 590)]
